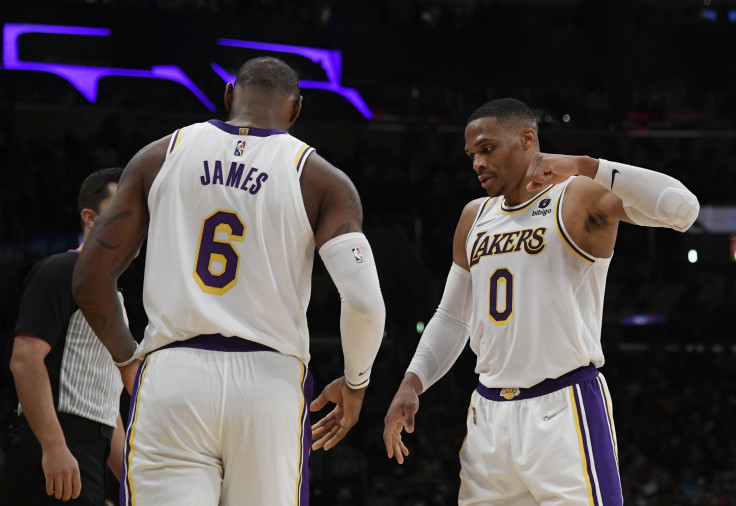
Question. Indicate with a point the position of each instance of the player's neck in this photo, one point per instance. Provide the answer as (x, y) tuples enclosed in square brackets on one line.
[(258, 111), (519, 194), (246, 120)]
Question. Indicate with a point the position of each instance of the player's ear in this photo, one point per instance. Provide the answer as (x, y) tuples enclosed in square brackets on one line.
[(528, 138), (296, 110), (228, 99)]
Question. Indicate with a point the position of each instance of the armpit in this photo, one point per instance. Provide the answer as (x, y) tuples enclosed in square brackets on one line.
[(596, 221)]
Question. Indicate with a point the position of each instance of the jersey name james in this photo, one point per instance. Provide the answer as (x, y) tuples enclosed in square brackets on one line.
[(252, 183), (531, 240)]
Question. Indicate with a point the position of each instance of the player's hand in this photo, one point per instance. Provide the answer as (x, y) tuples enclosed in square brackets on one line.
[(546, 169), (61, 469), (128, 373), (331, 429), (400, 416)]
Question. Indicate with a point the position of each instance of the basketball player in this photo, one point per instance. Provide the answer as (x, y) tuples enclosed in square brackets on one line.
[(220, 387), (526, 284)]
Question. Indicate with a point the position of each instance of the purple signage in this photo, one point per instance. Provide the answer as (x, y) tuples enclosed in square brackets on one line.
[(329, 59), (86, 78)]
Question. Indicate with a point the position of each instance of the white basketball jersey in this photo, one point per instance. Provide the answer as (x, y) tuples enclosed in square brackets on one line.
[(537, 297), (230, 248)]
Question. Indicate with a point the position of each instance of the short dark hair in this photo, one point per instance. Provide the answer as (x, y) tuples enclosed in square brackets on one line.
[(506, 110), (95, 188), (270, 74)]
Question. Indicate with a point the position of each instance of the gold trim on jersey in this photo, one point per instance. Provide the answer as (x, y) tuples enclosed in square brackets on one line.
[(576, 415), (177, 139), (299, 156), (172, 142), (563, 233), (477, 217), (522, 207)]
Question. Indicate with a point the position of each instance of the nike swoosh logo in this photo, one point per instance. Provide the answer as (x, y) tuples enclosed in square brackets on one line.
[(362, 373), (613, 176), (547, 418)]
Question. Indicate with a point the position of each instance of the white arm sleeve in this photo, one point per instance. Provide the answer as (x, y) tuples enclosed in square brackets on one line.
[(651, 199), (447, 332), (349, 260)]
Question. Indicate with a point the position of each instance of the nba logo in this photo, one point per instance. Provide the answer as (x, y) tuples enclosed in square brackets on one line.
[(239, 148), (358, 256)]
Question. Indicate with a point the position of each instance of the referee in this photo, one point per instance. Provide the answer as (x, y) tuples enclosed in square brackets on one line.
[(68, 388)]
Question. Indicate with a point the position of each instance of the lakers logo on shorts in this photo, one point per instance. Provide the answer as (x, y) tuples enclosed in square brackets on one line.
[(509, 393)]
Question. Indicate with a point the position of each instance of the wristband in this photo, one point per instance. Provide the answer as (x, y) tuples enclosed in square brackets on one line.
[(127, 362)]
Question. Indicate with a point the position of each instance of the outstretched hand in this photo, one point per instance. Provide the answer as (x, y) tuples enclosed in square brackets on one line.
[(331, 429), (400, 416)]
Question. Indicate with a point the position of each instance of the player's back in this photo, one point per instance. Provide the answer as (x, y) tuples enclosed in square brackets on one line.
[(230, 247)]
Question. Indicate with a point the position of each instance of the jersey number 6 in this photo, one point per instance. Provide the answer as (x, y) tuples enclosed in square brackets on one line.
[(216, 266), (500, 291)]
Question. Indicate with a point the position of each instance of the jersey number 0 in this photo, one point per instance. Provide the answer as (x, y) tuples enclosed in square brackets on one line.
[(501, 296), (216, 265)]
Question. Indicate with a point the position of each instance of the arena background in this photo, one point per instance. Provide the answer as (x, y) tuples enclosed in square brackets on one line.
[(648, 82)]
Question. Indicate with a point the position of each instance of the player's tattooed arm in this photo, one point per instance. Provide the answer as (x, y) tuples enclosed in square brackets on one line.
[(330, 199), (124, 254), (103, 226), (114, 241)]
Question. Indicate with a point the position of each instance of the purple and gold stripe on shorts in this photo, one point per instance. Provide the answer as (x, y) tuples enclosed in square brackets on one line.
[(302, 487), (127, 492), (603, 386), (595, 436)]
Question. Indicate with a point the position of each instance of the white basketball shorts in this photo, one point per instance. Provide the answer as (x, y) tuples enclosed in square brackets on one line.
[(551, 444), (212, 427)]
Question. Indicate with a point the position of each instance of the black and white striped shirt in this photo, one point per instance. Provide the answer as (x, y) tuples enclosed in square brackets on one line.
[(84, 381)]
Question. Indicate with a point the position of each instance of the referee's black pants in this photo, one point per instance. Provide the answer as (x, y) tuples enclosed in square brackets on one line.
[(22, 482)]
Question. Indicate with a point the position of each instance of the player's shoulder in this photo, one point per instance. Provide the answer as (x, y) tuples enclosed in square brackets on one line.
[(182, 135), (147, 162), (582, 184), (473, 207), (468, 216)]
